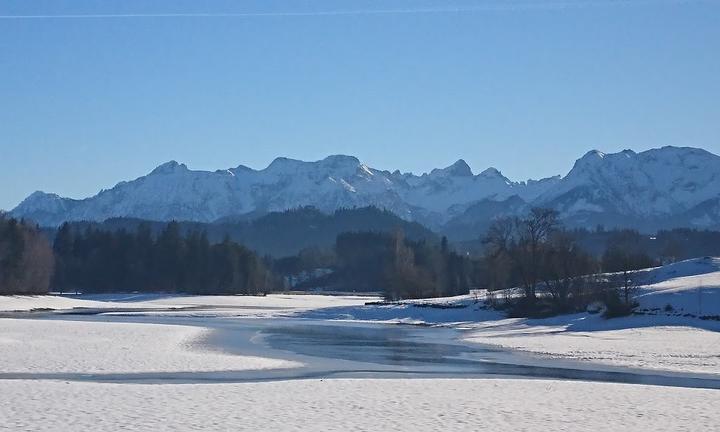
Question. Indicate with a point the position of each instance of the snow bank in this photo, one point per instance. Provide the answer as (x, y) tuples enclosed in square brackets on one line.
[(688, 287), (357, 405), (669, 348), (44, 346), (246, 306), (447, 310), (28, 303)]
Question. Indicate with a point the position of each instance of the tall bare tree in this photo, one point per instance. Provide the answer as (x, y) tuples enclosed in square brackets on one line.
[(533, 233), (523, 240)]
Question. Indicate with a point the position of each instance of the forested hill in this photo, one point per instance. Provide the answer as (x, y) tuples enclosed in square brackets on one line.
[(283, 233)]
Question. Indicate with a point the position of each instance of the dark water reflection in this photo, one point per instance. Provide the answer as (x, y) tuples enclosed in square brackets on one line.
[(386, 345), (424, 352)]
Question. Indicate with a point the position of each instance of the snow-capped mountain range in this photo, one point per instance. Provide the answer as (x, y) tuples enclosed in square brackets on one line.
[(669, 186)]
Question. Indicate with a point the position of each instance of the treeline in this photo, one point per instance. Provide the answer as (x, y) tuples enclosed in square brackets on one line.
[(390, 263), (555, 270), (555, 274), (280, 234), (401, 268), (26, 259), (665, 246), (92, 260)]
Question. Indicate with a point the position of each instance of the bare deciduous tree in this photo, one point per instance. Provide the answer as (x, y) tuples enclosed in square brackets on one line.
[(533, 232)]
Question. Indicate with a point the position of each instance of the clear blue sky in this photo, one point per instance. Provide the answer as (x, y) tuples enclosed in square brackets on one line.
[(525, 86)]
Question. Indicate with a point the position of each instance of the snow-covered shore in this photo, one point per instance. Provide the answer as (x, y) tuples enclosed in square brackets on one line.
[(675, 348), (357, 405), (670, 335), (54, 346), (245, 306)]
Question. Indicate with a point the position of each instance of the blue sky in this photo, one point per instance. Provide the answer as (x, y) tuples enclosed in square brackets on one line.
[(524, 86)]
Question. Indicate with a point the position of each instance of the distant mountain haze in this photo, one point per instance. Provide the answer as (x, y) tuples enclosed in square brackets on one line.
[(658, 188)]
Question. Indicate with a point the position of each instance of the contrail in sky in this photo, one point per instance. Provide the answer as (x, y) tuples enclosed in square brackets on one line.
[(494, 6)]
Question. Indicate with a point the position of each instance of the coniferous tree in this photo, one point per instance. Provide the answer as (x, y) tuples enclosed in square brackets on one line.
[(26, 258)]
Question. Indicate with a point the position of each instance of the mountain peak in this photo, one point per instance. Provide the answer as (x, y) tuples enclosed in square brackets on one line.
[(340, 162), (40, 198), (341, 159), (491, 172), (169, 168), (674, 151), (332, 163), (589, 161), (593, 155), (40, 194), (459, 169)]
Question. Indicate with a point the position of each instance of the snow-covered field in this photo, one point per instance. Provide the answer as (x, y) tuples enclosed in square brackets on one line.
[(271, 305), (44, 346), (357, 405), (670, 348), (687, 287)]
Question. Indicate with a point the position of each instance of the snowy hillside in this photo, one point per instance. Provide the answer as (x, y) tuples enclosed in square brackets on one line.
[(662, 187), (676, 328), (690, 287)]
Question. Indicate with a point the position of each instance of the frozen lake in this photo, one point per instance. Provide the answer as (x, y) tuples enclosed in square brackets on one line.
[(337, 349)]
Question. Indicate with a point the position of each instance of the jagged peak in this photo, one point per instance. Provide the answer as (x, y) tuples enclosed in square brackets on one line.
[(281, 164), (458, 169), (238, 169), (593, 155), (554, 178), (593, 158), (39, 198), (491, 172), (41, 194), (169, 167), (283, 160)]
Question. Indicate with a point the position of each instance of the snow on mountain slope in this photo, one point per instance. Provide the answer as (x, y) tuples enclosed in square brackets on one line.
[(172, 191), (664, 187), (652, 184), (456, 185)]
